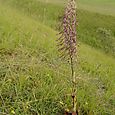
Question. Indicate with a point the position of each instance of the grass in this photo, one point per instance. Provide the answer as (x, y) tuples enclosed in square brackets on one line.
[(33, 80), (94, 29), (98, 6)]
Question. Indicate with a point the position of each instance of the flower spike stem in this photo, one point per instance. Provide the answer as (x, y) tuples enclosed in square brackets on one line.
[(74, 100), (67, 44)]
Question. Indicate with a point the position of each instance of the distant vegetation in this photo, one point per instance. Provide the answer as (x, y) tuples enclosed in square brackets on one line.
[(90, 22)]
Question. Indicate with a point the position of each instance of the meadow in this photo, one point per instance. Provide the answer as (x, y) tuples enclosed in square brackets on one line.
[(34, 80)]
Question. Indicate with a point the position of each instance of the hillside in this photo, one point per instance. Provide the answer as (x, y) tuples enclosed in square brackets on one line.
[(94, 29), (33, 80), (98, 6)]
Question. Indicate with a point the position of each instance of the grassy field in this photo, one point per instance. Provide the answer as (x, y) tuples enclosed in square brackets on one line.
[(93, 30), (33, 80), (100, 6)]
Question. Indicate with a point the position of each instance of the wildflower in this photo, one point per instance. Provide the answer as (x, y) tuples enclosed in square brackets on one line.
[(67, 39), (12, 112), (67, 44)]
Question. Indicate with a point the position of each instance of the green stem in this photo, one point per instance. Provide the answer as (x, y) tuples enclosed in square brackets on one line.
[(73, 86)]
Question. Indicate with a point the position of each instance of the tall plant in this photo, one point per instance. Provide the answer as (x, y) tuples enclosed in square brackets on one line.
[(67, 44)]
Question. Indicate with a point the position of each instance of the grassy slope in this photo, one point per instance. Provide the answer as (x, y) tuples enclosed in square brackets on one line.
[(100, 6), (30, 71), (94, 29)]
